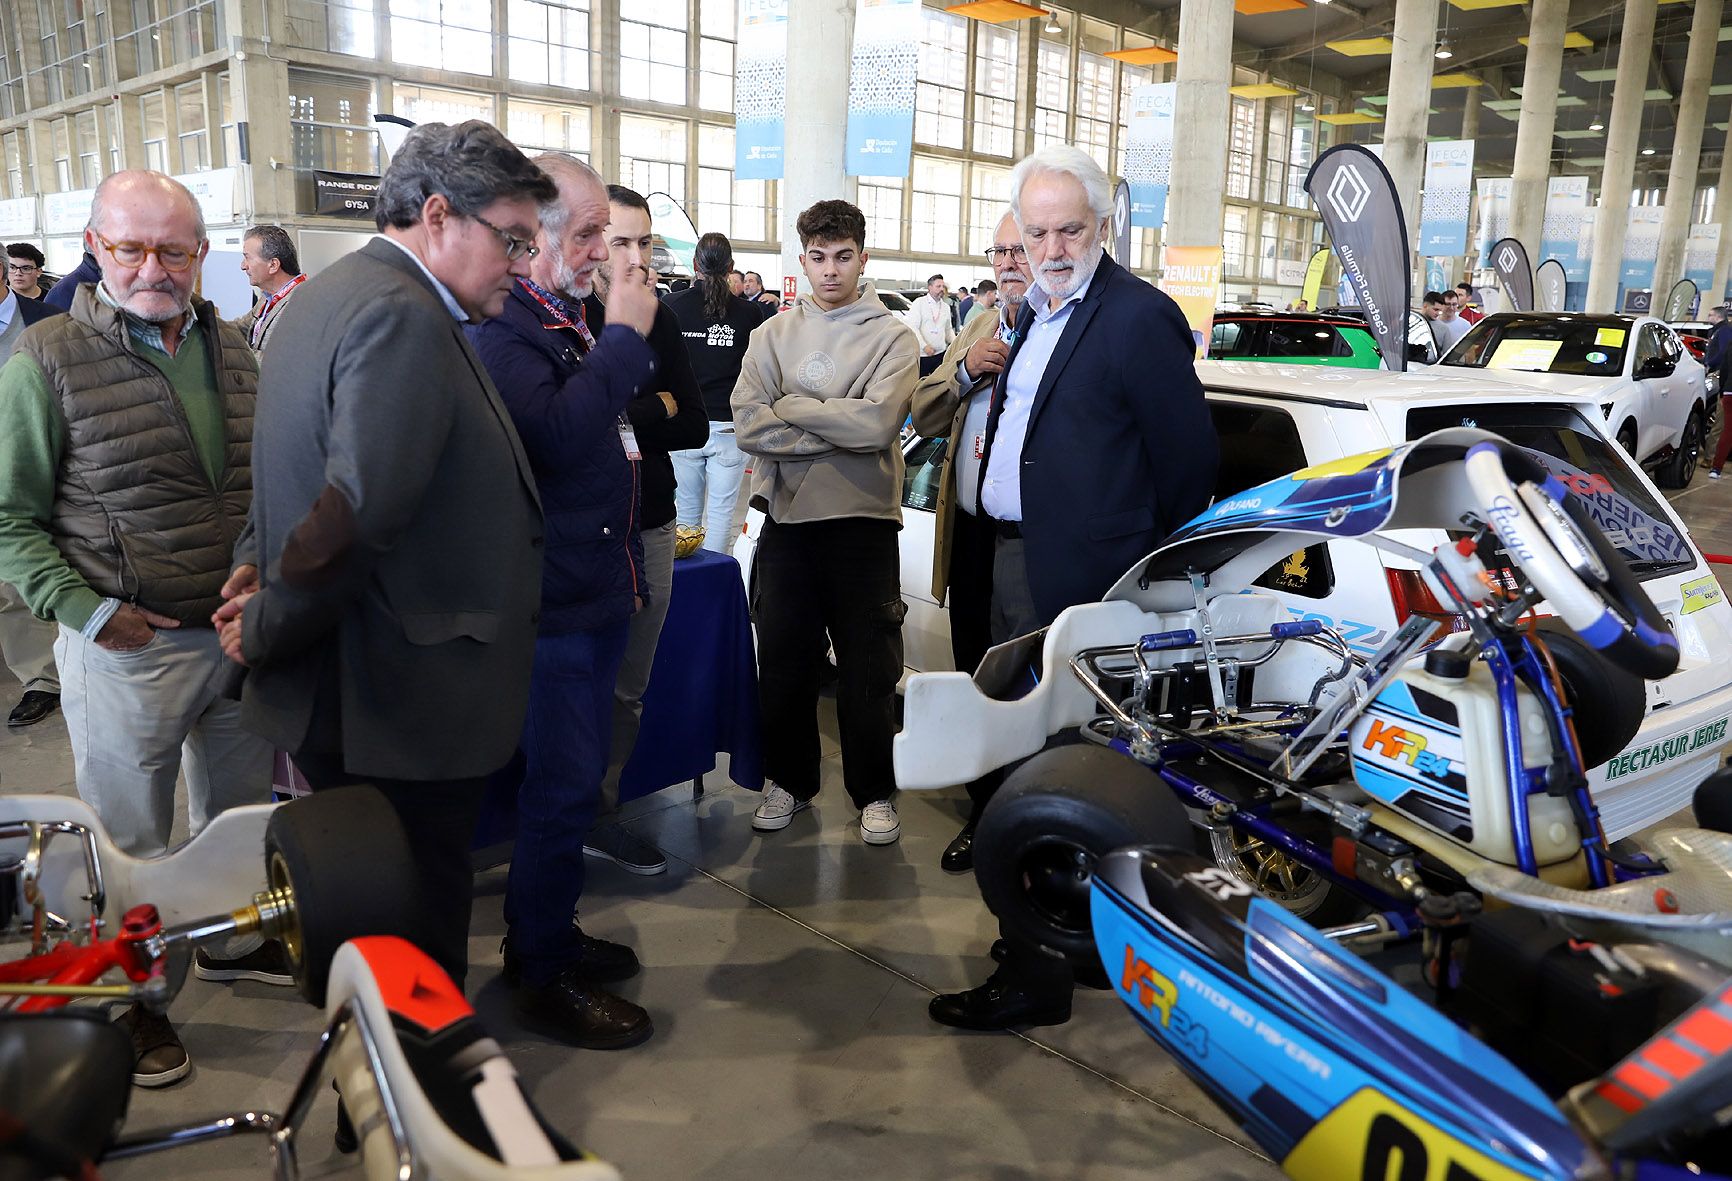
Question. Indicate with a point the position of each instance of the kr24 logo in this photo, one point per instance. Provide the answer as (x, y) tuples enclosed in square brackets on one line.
[(1158, 996)]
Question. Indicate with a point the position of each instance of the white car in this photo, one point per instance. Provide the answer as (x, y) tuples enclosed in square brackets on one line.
[(1651, 391), (1274, 419)]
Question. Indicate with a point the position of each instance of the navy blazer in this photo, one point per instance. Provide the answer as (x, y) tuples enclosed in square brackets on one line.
[(33, 310), (1120, 449)]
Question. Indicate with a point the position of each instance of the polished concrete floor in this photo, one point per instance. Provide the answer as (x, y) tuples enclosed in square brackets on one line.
[(788, 977)]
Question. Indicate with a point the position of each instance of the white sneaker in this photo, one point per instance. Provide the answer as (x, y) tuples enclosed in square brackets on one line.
[(777, 809), (879, 825)]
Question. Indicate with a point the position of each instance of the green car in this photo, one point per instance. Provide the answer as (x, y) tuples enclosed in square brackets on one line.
[(1294, 339)]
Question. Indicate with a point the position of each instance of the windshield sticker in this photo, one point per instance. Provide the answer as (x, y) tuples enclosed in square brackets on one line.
[(1703, 592), (1642, 537), (1657, 754), (1536, 355), (1597, 358), (1612, 338)]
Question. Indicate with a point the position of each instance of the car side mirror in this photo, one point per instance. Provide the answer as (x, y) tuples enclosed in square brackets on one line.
[(1655, 367)]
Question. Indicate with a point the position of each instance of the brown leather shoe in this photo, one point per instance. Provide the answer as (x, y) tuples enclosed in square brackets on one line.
[(158, 1058)]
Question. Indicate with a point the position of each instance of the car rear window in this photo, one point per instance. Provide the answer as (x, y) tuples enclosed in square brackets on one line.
[(1632, 518), (1544, 345), (1259, 444), (1305, 340)]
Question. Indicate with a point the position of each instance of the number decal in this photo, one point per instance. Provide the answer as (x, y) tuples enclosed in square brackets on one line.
[(1391, 1141)]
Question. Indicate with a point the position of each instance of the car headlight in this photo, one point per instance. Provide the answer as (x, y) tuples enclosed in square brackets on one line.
[(1605, 410)]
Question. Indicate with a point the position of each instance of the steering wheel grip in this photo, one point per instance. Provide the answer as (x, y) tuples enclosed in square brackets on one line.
[(1614, 615)]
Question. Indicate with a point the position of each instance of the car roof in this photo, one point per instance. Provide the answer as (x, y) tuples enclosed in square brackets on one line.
[(1358, 389), (1289, 317), (1610, 319)]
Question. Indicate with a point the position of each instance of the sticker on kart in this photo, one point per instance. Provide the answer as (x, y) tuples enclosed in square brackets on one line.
[(1360, 636), (1346, 497), (1659, 752)]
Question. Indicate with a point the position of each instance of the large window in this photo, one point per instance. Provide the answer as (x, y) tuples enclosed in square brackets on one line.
[(169, 31), (652, 51), (330, 122), (445, 34), (716, 55), (231, 138), (194, 127), (15, 154), (1235, 239), (548, 127), (881, 202), (154, 121), (652, 155), (336, 26), (433, 104), (988, 199), (941, 79), (936, 219), (1278, 137), (89, 147), (1242, 149), (1300, 158), (1094, 107), (727, 206), (1052, 88), (549, 42), (60, 137), (995, 125), (11, 74)]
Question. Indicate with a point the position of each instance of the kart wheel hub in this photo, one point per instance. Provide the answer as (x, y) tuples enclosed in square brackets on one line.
[(1274, 873), (1056, 876)]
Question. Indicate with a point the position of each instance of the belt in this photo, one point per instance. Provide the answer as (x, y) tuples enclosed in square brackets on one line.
[(1009, 530)]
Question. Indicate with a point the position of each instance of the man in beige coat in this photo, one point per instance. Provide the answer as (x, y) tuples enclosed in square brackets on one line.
[(953, 401)]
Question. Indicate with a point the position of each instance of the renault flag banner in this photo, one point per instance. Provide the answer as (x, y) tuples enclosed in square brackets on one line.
[(760, 88), (1700, 251), (1448, 193), (1362, 213), (1192, 276), (881, 87), (1494, 202), (1566, 199), (1515, 274), (1314, 278), (1641, 247), (670, 223), (1551, 282), (1680, 300), (1149, 152), (1122, 224)]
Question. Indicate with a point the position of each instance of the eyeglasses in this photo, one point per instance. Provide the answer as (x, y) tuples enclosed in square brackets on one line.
[(995, 253), (22, 267), (132, 254), (515, 247)]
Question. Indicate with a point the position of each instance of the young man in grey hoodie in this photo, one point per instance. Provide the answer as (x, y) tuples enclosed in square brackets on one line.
[(824, 389)]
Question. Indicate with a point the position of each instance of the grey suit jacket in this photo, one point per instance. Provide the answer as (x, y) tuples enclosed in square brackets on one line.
[(398, 533)]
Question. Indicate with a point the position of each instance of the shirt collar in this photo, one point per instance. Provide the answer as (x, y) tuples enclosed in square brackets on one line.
[(147, 332), (450, 301), (1037, 298)]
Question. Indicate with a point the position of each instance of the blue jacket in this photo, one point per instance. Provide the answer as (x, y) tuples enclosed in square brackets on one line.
[(60, 295), (1719, 358), (566, 407)]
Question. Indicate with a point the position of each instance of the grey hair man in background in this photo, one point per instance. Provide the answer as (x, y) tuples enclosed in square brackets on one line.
[(390, 620), (269, 261)]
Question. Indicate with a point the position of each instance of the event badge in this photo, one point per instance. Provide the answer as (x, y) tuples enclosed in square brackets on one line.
[(628, 440), (980, 446)]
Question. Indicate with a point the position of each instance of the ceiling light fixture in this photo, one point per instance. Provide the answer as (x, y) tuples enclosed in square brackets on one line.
[(1052, 25), (1596, 125), (1444, 53), (1647, 151)]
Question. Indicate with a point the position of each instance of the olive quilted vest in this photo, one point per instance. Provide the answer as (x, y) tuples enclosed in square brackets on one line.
[(135, 512)]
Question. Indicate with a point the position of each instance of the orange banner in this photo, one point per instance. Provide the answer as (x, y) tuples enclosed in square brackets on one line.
[(1192, 276)]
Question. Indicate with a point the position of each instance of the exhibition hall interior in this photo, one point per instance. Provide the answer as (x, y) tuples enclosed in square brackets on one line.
[(866, 589)]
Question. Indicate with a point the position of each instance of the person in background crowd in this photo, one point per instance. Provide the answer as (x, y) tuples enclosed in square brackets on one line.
[(666, 416), (389, 608), (985, 301), (932, 323), (269, 261), (952, 403), (1300, 305), (87, 271), (1067, 525), (26, 642), (736, 283), (24, 275), (569, 389), (964, 306), (716, 326), (1719, 360), (125, 480), (1466, 310), (755, 292), (823, 392), (1431, 305), (1449, 327)]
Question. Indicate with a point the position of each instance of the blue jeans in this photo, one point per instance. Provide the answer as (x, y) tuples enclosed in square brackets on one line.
[(565, 750), (714, 468)]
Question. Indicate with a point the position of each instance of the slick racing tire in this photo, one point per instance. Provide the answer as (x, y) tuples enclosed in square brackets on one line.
[(1037, 843), (343, 857), (1607, 702)]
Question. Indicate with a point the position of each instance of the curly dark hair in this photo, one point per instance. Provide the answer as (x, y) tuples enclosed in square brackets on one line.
[(832, 221), (471, 164), (25, 250)]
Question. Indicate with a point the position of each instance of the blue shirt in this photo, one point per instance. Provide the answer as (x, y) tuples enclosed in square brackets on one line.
[(973, 441), (8, 309), (1001, 493)]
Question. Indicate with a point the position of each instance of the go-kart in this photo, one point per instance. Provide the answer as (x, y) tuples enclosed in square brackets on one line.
[(428, 1092)]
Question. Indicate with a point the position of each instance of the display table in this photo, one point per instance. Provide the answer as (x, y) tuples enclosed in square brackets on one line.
[(702, 696)]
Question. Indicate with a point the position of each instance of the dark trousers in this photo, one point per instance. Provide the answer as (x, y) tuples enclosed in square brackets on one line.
[(841, 577), (438, 816), (1724, 446), (970, 598), (565, 752)]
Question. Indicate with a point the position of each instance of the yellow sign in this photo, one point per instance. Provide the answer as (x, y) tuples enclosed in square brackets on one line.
[(1535, 355), (1612, 338), (1704, 592), (1345, 466), (1314, 278), (1373, 1136), (1192, 276)]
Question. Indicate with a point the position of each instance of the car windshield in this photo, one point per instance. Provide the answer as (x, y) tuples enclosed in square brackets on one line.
[(1542, 344), (1631, 517)]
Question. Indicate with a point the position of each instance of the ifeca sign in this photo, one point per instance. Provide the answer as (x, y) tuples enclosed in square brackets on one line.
[(1448, 193), (1149, 152)]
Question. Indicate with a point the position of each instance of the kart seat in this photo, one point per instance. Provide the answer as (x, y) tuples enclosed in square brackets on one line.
[(65, 1077)]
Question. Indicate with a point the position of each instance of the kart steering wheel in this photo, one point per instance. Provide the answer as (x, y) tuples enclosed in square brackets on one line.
[(1549, 534)]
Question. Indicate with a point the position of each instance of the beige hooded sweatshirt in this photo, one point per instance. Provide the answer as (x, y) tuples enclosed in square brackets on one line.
[(819, 406)]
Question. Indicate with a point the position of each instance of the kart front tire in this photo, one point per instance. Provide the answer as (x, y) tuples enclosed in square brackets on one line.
[(344, 857), (1040, 837)]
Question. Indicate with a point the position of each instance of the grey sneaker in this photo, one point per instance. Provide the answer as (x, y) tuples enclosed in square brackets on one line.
[(268, 964), (612, 842), (777, 810), (878, 823)]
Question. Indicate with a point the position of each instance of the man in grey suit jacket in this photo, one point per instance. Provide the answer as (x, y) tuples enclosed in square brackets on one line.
[(395, 518)]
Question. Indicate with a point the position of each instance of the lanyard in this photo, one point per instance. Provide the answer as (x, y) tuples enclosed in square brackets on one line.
[(559, 316), (270, 305)]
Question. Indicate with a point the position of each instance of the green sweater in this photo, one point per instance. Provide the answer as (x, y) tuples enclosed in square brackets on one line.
[(32, 445)]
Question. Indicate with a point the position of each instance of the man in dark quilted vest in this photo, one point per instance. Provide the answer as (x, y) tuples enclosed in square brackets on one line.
[(125, 480)]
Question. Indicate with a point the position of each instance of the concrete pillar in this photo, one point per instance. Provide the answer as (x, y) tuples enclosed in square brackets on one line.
[(1687, 145), (1407, 117), (1533, 151), (1201, 115), (1622, 132), (1723, 212), (815, 128), (604, 128), (1470, 113)]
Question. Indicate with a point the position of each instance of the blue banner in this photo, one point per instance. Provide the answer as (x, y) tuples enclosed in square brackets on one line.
[(760, 88), (1699, 253), (1448, 193), (1149, 152), (1641, 247), (881, 87), (1566, 201)]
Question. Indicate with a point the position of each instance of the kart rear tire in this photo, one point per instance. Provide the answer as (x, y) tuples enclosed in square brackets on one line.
[(344, 857), (1037, 843), (1607, 701), (1678, 471)]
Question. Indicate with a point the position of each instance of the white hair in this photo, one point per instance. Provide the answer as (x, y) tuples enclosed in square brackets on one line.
[(1072, 162)]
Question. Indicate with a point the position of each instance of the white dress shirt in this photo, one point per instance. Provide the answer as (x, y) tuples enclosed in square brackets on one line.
[(1001, 493), (932, 323), (451, 304)]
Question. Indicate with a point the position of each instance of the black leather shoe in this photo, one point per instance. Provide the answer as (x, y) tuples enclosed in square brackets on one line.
[(33, 707), (582, 1015), (959, 853), (602, 962), (1090, 974), (1001, 1003)]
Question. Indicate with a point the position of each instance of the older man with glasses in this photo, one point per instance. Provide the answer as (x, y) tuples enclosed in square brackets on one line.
[(125, 482)]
